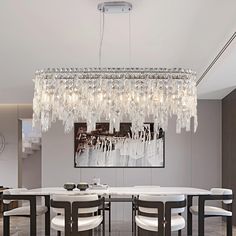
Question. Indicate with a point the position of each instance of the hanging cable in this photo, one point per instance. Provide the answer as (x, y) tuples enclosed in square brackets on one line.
[(129, 40), (101, 34), (100, 27), (102, 23)]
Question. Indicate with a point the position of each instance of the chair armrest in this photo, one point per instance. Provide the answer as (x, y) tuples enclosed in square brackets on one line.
[(211, 197), (19, 197), (171, 205), (207, 197)]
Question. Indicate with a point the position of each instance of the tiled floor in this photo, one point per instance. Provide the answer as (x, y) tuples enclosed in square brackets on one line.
[(20, 227)]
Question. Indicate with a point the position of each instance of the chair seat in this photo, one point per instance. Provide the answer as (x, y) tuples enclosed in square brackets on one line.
[(211, 211), (25, 211), (151, 223), (84, 223)]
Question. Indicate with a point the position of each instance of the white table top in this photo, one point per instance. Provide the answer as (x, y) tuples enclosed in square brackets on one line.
[(121, 191)]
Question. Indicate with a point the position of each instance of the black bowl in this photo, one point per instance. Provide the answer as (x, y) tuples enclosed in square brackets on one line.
[(82, 186), (69, 186)]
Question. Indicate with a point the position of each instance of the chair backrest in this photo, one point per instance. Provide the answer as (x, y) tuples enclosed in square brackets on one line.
[(148, 207), (164, 199), (12, 191), (75, 198), (223, 191)]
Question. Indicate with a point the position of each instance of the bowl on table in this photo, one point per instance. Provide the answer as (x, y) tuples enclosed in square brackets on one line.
[(82, 186), (69, 186)]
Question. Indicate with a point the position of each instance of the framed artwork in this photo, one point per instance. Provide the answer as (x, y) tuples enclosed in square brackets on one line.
[(121, 149)]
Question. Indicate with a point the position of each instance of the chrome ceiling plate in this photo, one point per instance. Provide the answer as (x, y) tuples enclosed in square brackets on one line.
[(115, 7)]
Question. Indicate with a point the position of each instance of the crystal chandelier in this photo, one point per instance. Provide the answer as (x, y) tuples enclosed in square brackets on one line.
[(115, 94)]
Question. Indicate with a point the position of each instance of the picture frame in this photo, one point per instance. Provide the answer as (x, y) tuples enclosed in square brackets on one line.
[(100, 149)]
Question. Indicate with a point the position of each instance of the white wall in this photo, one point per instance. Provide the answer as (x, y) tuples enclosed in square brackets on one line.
[(9, 115), (191, 159), (31, 171)]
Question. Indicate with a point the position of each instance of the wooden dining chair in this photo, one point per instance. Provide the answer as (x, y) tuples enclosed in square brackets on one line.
[(203, 211), (160, 214), (27, 208), (76, 213)]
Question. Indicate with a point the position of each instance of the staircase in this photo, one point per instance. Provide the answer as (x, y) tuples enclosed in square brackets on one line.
[(31, 141)]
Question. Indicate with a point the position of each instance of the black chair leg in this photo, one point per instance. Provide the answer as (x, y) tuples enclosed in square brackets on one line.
[(33, 222), (47, 224), (189, 215), (103, 228), (110, 218), (47, 216), (33, 227), (132, 217), (229, 226), (201, 216), (201, 226), (6, 225), (189, 224)]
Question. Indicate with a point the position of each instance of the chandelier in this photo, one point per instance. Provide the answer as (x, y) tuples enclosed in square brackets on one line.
[(114, 95)]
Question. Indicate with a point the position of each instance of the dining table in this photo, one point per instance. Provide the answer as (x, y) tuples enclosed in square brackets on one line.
[(120, 194)]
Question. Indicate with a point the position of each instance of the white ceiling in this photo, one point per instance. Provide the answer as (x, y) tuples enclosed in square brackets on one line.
[(165, 33), (221, 79)]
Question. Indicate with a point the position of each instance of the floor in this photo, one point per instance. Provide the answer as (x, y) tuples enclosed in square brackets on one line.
[(20, 227)]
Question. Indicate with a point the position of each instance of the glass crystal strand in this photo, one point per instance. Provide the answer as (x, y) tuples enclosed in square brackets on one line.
[(71, 95)]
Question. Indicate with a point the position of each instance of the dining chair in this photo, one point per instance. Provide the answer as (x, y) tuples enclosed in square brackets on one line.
[(160, 214), (133, 197), (27, 207), (76, 213), (203, 211)]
